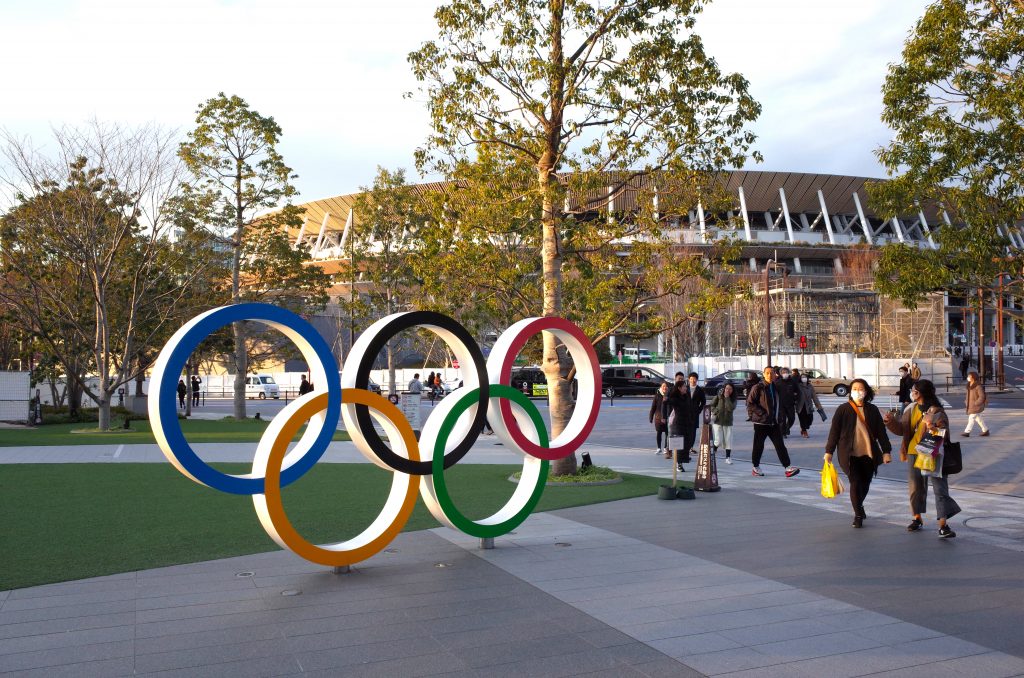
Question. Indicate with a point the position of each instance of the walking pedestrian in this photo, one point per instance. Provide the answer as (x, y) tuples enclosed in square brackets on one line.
[(722, 407), (196, 382), (806, 404), (858, 433), (182, 390), (765, 412), (659, 417), (304, 386), (903, 393), (698, 401), (679, 424), (787, 400), (915, 372), (965, 364), (977, 401), (924, 415)]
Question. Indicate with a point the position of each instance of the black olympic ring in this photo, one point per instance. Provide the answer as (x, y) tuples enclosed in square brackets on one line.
[(432, 321)]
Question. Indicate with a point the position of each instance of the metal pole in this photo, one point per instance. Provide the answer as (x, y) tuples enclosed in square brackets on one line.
[(767, 315), (981, 335), (1001, 375)]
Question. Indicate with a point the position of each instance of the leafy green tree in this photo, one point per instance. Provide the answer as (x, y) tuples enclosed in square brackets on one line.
[(239, 176), (387, 218), (542, 88), (956, 105)]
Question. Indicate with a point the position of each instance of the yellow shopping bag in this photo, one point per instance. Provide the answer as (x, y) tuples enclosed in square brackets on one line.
[(831, 486)]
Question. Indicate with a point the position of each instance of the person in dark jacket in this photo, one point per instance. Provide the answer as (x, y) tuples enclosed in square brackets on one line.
[(965, 364), (806, 404), (698, 400), (304, 386), (788, 393), (659, 417), (182, 390), (765, 412), (858, 433), (903, 393), (679, 422)]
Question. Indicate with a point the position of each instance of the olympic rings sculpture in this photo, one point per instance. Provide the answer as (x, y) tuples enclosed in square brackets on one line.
[(448, 433)]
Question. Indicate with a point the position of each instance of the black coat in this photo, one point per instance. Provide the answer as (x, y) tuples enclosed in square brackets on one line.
[(787, 393), (904, 393), (681, 419), (659, 410), (843, 434), (698, 401)]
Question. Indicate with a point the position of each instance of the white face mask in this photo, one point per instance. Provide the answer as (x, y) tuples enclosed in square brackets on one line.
[(805, 380), (785, 375), (858, 395)]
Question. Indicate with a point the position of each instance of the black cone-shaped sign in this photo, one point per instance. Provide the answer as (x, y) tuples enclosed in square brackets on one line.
[(706, 479)]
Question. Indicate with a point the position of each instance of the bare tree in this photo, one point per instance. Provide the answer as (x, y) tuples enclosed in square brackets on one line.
[(87, 259)]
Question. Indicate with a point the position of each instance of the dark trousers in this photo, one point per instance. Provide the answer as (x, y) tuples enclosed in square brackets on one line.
[(774, 433), (862, 470), (788, 415), (805, 419), (689, 439), (661, 430)]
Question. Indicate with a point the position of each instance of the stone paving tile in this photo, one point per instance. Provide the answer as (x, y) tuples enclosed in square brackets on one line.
[(210, 655), (65, 612), (69, 639), (337, 658), (667, 667), (990, 664), (696, 643), (261, 667), (550, 645), (897, 632), (104, 668), (65, 655), (441, 663), (725, 661), (796, 649), (65, 625)]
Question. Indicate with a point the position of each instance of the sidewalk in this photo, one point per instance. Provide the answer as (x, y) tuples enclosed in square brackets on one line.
[(761, 579)]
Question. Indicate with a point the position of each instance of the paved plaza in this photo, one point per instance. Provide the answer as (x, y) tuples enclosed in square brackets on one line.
[(765, 578)]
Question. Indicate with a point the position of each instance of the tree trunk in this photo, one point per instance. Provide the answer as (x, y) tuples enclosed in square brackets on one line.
[(241, 359), (556, 366), (241, 371), (188, 387), (104, 410), (392, 387)]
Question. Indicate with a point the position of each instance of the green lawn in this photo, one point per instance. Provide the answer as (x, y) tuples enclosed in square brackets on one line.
[(196, 431), (70, 521)]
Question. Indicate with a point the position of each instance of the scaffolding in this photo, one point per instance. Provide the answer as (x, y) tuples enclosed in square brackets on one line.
[(834, 319)]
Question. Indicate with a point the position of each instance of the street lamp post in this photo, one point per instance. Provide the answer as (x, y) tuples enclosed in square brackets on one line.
[(771, 263)]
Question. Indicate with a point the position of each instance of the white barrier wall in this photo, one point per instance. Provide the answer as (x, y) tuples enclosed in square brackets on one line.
[(14, 396)]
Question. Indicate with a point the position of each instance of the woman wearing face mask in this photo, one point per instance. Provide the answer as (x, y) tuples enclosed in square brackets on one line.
[(806, 403), (659, 417), (680, 421), (722, 407), (922, 414), (858, 432)]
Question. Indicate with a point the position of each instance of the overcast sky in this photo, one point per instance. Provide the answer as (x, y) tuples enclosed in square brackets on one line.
[(332, 72)]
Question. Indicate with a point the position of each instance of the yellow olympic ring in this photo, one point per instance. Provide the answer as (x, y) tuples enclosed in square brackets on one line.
[(270, 456)]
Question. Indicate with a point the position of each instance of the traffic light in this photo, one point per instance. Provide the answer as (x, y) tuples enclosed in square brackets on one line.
[(803, 341)]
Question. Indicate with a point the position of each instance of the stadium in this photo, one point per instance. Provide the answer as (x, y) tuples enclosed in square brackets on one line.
[(818, 228)]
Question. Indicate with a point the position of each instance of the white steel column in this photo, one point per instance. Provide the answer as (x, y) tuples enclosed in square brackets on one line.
[(863, 220), (302, 232), (898, 227), (700, 218), (320, 238), (611, 204), (927, 231), (746, 219), (827, 218), (785, 213), (348, 229)]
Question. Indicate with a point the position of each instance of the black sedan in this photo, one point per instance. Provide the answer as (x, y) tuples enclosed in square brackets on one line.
[(738, 378)]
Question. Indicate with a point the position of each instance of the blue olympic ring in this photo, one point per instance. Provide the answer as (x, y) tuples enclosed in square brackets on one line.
[(194, 333)]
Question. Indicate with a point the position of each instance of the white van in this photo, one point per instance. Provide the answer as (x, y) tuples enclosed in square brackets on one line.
[(261, 386), (636, 355)]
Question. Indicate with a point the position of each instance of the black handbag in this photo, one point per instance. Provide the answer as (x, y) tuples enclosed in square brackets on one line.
[(952, 459)]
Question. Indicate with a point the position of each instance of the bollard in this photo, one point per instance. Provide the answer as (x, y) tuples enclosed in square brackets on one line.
[(342, 569), (486, 543)]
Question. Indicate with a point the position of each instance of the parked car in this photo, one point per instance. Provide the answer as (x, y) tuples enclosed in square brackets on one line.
[(738, 379), (622, 380), (532, 382), (825, 384), (261, 386)]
